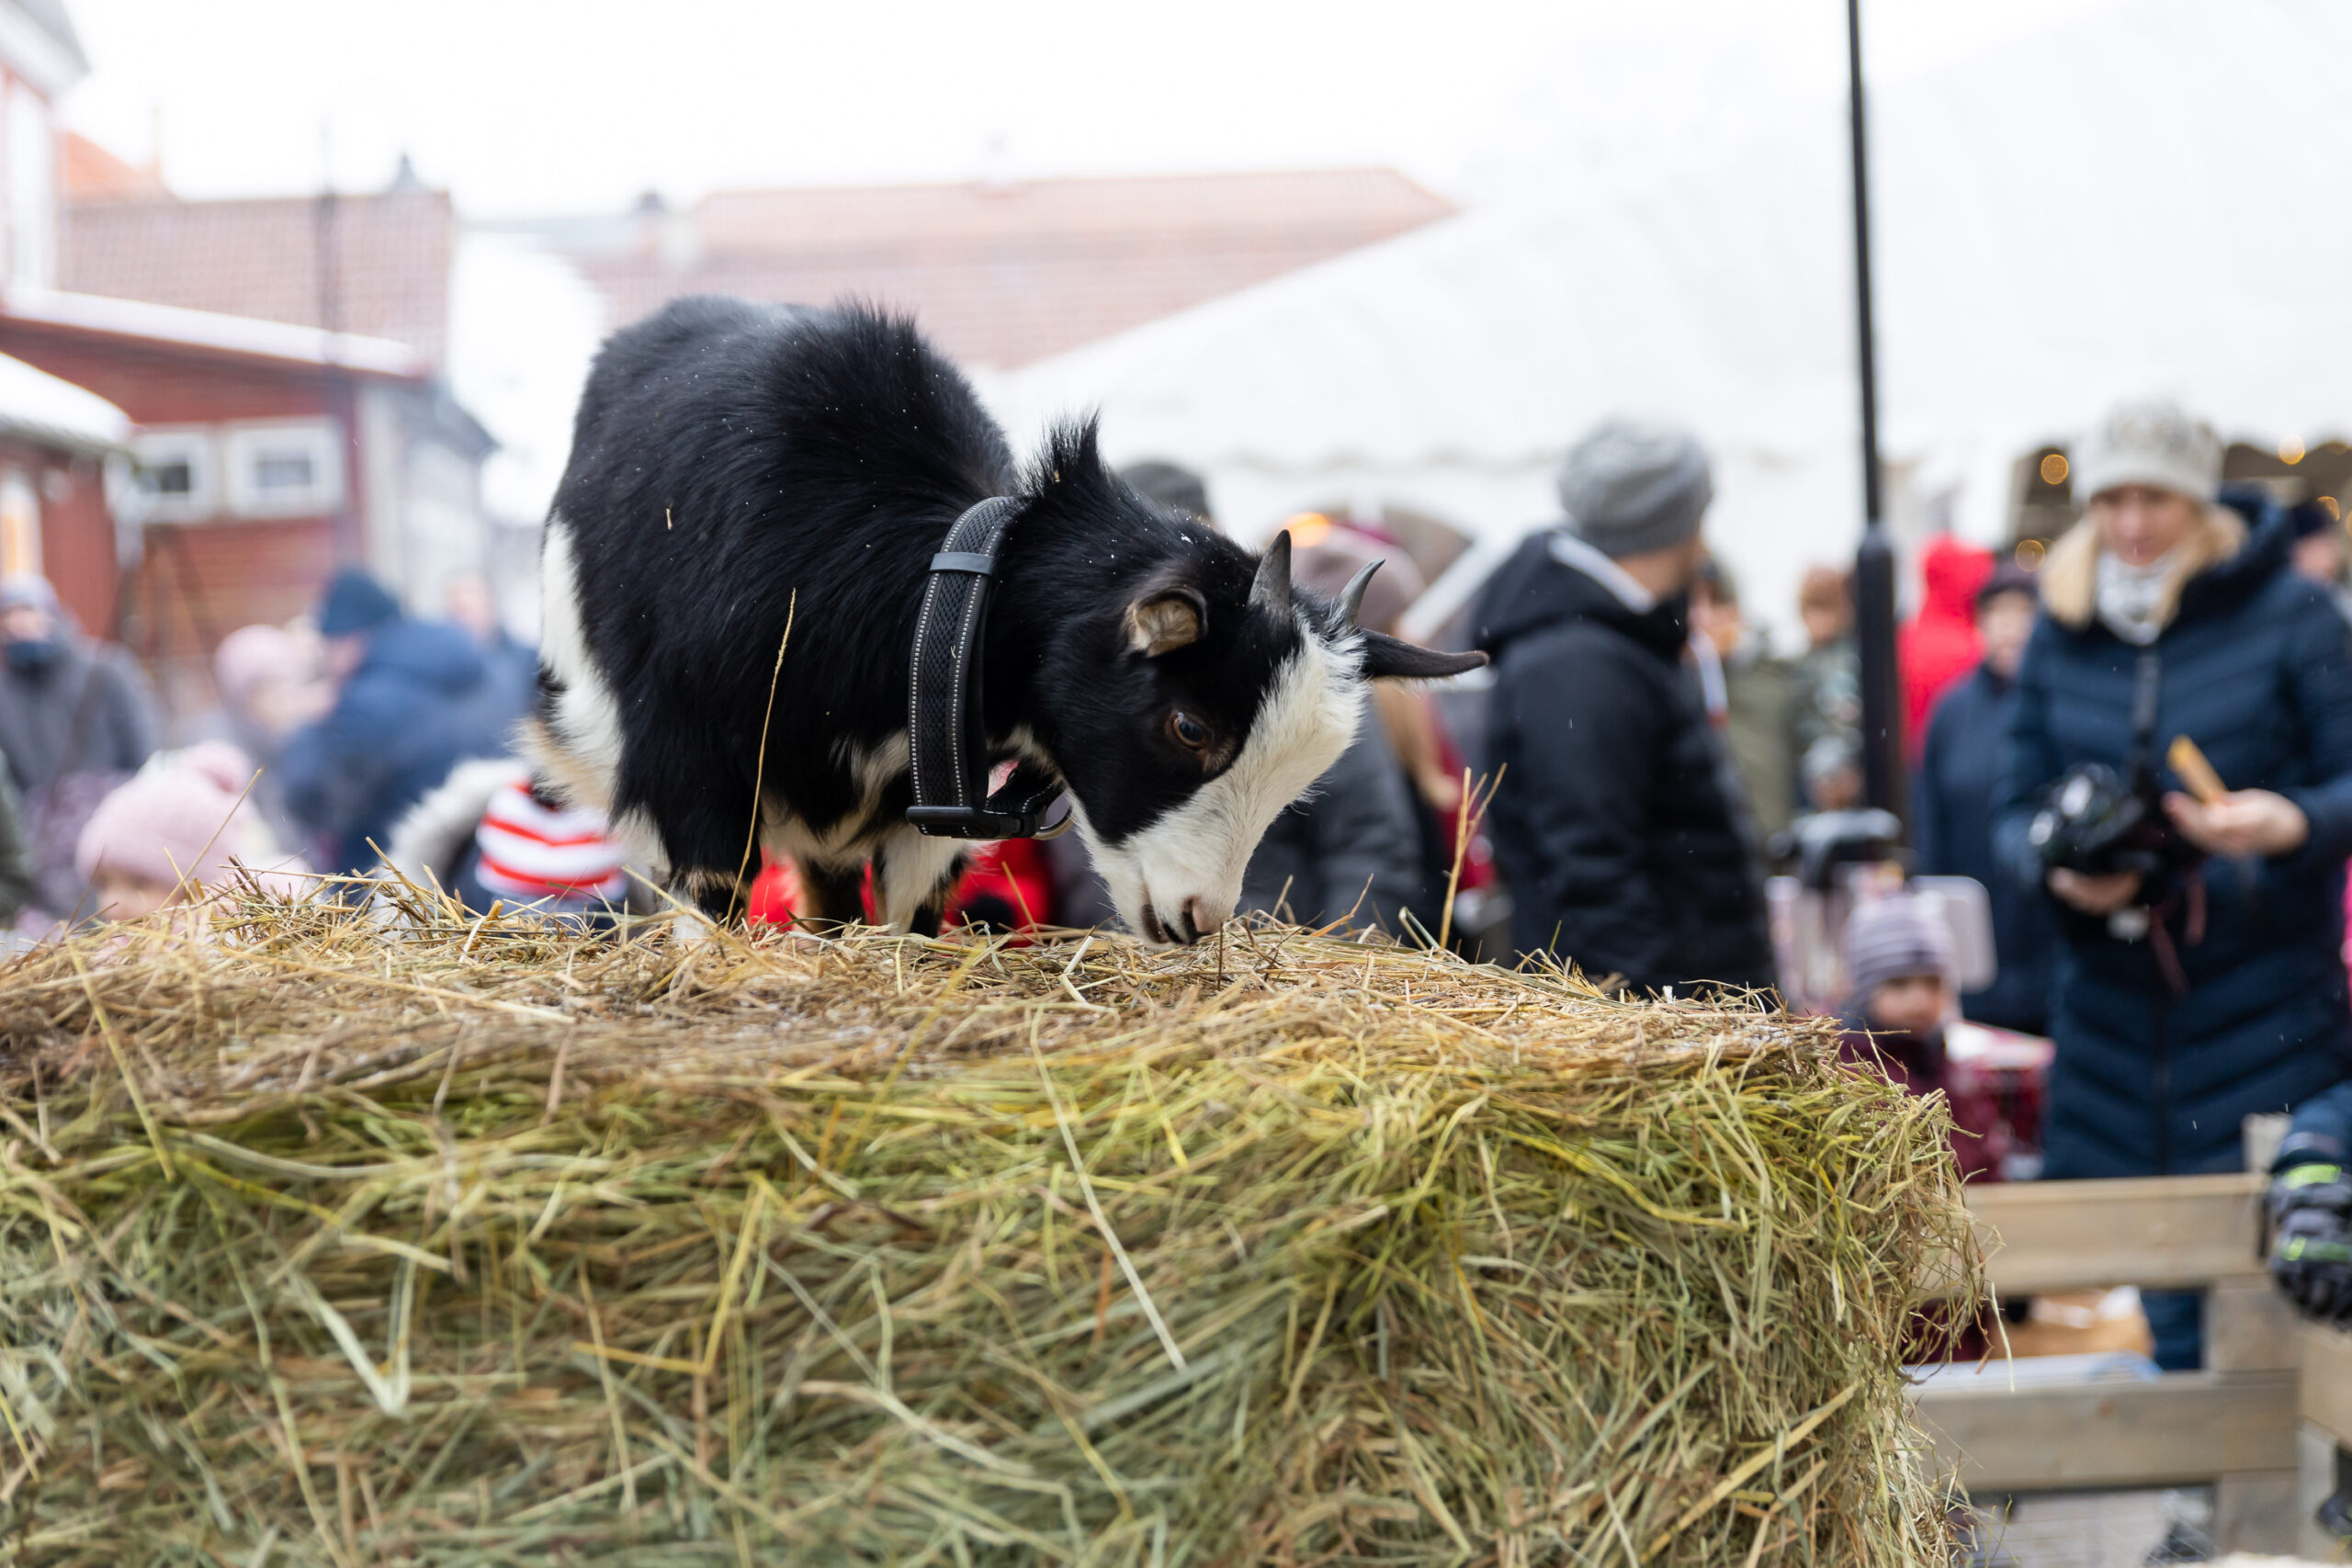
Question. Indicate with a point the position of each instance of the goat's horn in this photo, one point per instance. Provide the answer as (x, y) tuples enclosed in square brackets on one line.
[(1272, 586), (1352, 597)]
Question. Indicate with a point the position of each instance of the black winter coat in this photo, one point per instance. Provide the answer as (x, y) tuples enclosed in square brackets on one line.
[(1615, 823), (1952, 803), (2256, 668)]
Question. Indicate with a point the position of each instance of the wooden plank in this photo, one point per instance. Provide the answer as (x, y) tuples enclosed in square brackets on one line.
[(2327, 1381), (2158, 1232), (2250, 1326), (2180, 1429)]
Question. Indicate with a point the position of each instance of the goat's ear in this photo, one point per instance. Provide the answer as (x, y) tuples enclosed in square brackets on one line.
[(1166, 620), (1388, 659)]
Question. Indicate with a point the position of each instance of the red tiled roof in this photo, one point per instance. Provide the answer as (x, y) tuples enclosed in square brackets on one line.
[(391, 256), (1004, 275), (93, 174)]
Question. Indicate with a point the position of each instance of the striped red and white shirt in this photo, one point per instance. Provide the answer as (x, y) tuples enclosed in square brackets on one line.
[(532, 851)]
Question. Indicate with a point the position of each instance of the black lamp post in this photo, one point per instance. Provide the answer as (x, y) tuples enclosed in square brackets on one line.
[(1883, 765)]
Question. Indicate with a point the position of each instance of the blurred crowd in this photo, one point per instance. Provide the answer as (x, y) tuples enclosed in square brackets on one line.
[(2130, 799), (323, 738), (2131, 785)]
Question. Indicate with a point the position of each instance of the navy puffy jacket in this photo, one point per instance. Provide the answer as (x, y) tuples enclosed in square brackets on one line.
[(423, 700), (2257, 670), (1952, 809)]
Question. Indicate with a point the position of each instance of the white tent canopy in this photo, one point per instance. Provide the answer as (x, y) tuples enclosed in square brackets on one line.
[(2139, 199)]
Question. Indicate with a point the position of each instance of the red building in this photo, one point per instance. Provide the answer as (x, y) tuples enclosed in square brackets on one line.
[(279, 364), (264, 456), (283, 362), (56, 440), (999, 273)]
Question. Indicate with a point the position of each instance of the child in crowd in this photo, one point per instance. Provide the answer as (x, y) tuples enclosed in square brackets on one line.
[(171, 835), (490, 836), (1900, 968)]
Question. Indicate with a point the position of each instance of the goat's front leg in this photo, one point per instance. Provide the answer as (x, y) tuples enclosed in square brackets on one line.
[(912, 873), (833, 897)]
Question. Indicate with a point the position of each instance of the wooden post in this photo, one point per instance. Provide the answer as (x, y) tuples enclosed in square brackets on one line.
[(2326, 1401)]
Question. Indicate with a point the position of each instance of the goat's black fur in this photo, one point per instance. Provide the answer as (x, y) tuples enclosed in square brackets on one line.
[(735, 466)]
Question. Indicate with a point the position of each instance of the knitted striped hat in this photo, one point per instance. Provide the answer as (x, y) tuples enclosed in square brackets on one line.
[(533, 851), (1890, 938)]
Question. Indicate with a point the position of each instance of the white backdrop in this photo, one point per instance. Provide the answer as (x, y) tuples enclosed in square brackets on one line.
[(2146, 197)]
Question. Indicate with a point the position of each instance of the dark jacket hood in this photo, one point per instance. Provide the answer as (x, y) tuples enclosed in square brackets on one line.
[(1534, 591), (426, 653)]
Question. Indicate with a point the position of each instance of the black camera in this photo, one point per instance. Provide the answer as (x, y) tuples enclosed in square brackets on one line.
[(2094, 823)]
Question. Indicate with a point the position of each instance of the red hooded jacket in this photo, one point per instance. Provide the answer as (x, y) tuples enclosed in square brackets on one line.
[(1940, 644)]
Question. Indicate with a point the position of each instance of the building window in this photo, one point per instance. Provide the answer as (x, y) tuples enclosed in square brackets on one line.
[(290, 469), (170, 476)]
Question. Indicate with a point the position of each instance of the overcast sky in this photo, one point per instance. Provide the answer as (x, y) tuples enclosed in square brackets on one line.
[(529, 107)]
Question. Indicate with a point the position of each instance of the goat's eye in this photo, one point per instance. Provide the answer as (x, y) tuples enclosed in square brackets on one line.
[(1190, 732)]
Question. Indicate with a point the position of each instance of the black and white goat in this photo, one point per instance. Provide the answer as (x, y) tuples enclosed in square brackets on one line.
[(734, 465)]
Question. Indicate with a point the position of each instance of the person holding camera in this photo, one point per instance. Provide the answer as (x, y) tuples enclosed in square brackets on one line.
[(2198, 978)]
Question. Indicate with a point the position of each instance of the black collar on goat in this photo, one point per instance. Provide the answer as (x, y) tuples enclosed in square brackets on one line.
[(947, 724), (738, 467)]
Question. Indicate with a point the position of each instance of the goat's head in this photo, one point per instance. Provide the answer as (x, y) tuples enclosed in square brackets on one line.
[(1198, 700)]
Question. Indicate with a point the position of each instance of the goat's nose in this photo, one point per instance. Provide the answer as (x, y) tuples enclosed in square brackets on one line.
[(1197, 921)]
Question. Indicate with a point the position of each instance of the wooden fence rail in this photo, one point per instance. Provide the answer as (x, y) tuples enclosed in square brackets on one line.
[(2260, 1423)]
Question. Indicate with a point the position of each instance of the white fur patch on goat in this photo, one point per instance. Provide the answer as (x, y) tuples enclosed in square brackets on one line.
[(1195, 855), (587, 716), (845, 844), (578, 750), (910, 867)]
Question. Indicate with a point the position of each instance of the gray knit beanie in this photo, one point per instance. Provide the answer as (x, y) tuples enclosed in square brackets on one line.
[(1890, 938), (1632, 486)]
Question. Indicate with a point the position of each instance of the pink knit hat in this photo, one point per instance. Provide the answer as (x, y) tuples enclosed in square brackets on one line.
[(180, 819)]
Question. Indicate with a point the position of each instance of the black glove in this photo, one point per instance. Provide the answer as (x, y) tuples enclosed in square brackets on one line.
[(2311, 1240)]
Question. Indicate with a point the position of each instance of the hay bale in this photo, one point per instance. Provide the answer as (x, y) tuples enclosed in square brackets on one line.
[(497, 1245)]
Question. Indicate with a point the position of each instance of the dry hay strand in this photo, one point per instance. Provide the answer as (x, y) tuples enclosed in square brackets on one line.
[(492, 1242)]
